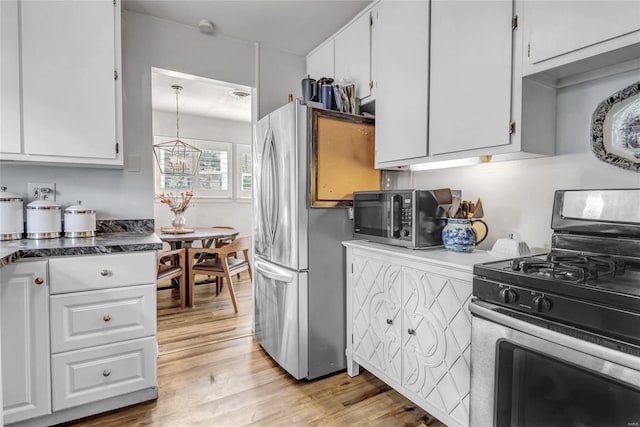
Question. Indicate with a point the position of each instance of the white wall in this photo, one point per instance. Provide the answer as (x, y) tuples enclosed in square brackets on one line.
[(517, 196), (281, 73), (151, 42), (205, 212)]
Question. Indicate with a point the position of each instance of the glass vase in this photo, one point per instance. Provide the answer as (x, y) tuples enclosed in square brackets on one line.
[(179, 221)]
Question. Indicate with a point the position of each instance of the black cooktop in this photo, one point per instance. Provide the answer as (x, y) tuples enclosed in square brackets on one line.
[(589, 277)]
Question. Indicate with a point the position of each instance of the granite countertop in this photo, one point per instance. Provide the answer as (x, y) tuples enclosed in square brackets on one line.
[(11, 251), (437, 255)]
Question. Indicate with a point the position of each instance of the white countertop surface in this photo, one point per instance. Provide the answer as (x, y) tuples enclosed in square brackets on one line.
[(437, 255)]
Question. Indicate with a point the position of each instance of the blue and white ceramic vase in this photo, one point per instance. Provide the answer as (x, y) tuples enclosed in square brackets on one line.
[(461, 235)]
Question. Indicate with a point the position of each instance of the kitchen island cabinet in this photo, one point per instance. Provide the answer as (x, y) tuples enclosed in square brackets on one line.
[(409, 324), (70, 88), (24, 316)]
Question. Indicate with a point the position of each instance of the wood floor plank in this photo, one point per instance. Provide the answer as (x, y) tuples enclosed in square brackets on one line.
[(212, 372)]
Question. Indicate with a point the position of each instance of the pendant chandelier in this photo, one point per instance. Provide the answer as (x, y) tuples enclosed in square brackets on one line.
[(177, 157)]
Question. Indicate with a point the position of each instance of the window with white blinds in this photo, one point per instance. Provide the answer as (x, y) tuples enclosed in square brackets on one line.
[(244, 171), (225, 170)]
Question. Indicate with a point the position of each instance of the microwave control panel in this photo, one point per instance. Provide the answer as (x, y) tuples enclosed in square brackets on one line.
[(406, 217)]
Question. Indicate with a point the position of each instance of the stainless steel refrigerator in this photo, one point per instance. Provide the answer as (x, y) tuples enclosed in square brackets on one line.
[(299, 265)]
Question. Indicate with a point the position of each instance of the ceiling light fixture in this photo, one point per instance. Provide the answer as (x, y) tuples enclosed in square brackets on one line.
[(177, 157), (205, 26)]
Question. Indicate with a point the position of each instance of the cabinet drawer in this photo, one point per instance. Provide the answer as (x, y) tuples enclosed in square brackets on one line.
[(81, 273), (85, 319), (84, 376)]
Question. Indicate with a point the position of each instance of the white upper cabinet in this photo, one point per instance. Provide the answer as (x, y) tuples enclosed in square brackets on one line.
[(9, 78), (470, 91), (401, 70), (71, 90), (353, 55), (562, 32), (320, 62)]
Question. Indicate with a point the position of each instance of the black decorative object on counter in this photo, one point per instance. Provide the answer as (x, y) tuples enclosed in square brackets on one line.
[(615, 129)]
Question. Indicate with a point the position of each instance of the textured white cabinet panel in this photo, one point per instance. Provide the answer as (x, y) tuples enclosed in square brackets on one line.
[(84, 319), (24, 316), (377, 321), (84, 376), (81, 273), (436, 336)]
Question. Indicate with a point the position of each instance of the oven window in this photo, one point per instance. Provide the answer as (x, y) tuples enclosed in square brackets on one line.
[(536, 390), (370, 214)]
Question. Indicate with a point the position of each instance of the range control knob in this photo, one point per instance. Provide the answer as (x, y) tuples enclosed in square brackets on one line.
[(542, 303), (508, 296), (404, 233)]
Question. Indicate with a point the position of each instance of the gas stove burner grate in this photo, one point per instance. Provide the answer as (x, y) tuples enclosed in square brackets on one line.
[(570, 267)]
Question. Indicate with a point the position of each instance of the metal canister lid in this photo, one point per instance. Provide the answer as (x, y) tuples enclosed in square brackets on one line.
[(42, 205), (8, 197), (78, 209)]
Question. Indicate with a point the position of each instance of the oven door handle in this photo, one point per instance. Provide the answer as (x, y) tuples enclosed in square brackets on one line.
[(489, 312)]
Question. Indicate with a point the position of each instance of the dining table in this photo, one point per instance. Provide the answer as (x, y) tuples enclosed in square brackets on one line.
[(185, 238)]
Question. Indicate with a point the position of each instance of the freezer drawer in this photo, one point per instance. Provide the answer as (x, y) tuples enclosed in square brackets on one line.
[(280, 317)]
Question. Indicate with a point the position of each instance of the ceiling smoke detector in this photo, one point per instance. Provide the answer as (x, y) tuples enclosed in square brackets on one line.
[(205, 26), (240, 93)]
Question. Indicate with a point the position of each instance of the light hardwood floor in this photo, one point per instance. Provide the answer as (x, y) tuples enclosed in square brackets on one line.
[(212, 372)]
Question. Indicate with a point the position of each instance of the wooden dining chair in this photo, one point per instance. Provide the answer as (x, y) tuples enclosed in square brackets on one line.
[(218, 244), (222, 266), (171, 267)]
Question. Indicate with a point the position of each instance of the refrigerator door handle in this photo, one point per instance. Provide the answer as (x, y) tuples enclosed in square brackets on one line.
[(270, 201), (272, 272)]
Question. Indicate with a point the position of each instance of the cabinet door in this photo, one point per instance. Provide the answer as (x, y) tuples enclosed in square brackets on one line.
[(555, 28), (320, 63), (68, 78), (353, 55), (9, 78), (376, 315), (470, 92), (436, 340), (401, 67), (24, 305)]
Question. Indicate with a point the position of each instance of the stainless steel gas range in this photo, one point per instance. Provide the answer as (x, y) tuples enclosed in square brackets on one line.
[(556, 337)]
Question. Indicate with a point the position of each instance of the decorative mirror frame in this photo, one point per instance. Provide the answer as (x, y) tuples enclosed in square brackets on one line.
[(602, 135)]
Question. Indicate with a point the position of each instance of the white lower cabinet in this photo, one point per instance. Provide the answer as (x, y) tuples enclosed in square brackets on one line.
[(97, 373), (93, 338), (409, 324), (24, 305)]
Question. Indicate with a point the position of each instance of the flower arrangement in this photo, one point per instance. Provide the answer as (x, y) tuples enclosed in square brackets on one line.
[(179, 202)]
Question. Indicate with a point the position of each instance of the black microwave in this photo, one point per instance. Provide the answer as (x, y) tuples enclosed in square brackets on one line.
[(409, 218)]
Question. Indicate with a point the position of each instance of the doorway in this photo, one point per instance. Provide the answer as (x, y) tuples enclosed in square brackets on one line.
[(216, 118)]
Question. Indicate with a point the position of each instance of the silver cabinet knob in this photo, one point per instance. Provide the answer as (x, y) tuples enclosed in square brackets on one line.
[(104, 272), (38, 281), (411, 331), (106, 372), (106, 317)]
